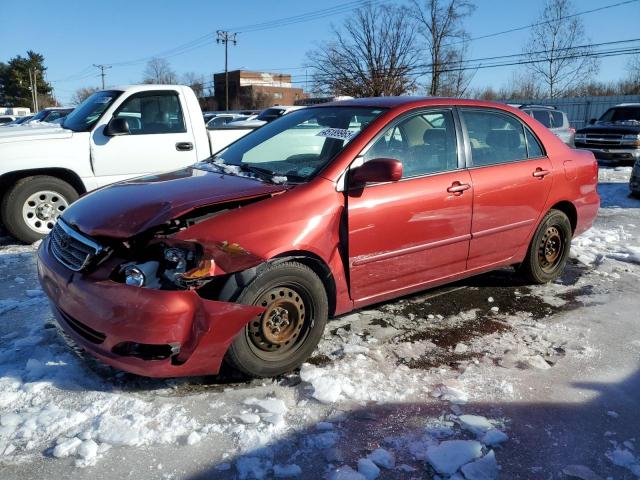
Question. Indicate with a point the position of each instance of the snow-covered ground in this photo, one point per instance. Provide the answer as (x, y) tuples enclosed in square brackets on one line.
[(489, 377)]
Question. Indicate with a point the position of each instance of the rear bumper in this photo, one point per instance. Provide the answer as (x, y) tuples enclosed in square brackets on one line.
[(101, 316), (587, 208)]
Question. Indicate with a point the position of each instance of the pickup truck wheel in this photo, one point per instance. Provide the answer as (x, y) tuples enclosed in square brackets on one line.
[(291, 326), (549, 249), (31, 207)]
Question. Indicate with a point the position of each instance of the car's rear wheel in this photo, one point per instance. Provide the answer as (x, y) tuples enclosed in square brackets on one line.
[(549, 249), (296, 310), (32, 206)]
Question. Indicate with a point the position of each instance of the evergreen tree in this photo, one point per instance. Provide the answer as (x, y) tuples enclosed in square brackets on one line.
[(15, 88)]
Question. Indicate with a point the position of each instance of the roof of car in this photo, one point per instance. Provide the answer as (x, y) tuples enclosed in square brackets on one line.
[(393, 102), (631, 104)]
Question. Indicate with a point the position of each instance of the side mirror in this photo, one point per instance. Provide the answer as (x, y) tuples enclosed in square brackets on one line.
[(117, 126), (376, 170), (592, 121)]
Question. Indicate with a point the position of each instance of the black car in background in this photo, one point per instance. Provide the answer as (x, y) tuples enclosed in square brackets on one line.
[(615, 137)]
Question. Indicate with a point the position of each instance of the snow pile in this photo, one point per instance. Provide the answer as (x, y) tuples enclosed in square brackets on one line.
[(447, 457), (595, 244), (50, 401), (364, 377)]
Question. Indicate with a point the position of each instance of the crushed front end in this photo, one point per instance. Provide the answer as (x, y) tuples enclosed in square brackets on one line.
[(144, 304)]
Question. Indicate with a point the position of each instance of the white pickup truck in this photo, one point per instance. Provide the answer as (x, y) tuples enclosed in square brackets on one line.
[(115, 134)]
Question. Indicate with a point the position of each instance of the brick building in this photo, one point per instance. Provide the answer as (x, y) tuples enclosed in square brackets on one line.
[(255, 90)]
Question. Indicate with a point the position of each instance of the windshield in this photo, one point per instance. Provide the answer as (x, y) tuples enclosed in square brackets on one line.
[(298, 144), (270, 114), (85, 116), (40, 115), (621, 114)]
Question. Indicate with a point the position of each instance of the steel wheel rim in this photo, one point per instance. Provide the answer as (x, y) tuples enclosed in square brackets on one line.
[(551, 249), (41, 210), (284, 325)]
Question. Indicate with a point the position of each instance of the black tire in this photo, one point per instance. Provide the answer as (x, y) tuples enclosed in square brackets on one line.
[(16, 198), (549, 249), (296, 300)]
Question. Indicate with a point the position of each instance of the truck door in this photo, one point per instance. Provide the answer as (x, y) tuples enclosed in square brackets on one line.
[(160, 138)]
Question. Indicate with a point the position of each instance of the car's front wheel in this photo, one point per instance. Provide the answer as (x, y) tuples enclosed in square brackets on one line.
[(33, 204), (549, 249), (296, 310)]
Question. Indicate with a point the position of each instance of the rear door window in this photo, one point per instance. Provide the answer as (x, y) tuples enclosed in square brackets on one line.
[(494, 137)]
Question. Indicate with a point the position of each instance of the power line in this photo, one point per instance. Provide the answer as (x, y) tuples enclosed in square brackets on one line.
[(531, 25), (493, 58), (276, 23), (203, 40), (476, 64)]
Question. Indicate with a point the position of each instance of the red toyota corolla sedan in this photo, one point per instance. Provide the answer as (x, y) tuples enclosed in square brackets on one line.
[(243, 257)]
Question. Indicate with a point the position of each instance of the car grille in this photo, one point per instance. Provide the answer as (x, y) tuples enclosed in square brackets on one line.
[(81, 329), (602, 140), (71, 248)]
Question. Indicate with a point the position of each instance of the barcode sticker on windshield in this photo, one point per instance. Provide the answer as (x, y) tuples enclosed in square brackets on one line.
[(337, 133)]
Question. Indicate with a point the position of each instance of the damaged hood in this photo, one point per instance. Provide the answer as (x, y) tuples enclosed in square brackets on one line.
[(127, 208)]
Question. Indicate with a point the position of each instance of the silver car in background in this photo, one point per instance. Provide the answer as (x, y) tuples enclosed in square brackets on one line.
[(554, 119)]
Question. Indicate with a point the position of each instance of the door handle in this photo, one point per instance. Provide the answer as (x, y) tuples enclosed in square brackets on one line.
[(184, 146), (457, 188), (541, 173)]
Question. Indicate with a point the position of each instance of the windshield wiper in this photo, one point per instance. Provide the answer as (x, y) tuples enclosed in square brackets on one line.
[(261, 172)]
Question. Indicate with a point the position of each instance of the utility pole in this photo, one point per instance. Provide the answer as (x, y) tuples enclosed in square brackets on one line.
[(225, 37), (33, 102), (33, 84), (102, 69)]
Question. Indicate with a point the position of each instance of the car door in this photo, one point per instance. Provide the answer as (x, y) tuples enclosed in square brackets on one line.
[(414, 231), (511, 179), (160, 138)]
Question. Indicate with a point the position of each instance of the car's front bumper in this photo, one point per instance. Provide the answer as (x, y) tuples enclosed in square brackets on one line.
[(101, 316)]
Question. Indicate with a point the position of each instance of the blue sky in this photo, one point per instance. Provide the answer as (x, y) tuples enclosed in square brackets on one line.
[(73, 35)]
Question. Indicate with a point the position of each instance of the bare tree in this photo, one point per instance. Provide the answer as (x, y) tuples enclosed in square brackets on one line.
[(557, 44), (454, 78), (373, 54), (633, 70), (440, 24), (195, 81), (81, 94), (158, 70)]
